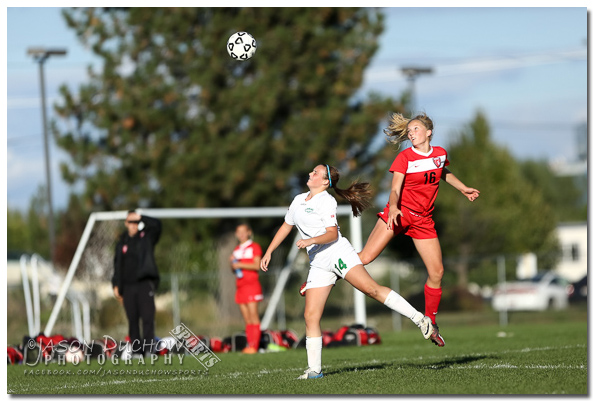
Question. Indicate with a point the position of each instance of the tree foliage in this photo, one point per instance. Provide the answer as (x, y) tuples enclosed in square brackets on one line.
[(28, 232), (173, 121), (16, 230), (566, 194), (70, 226), (512, 215), (170, 120)]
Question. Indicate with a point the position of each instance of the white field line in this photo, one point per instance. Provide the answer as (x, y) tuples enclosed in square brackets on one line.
[(296, 371), (39, 390)]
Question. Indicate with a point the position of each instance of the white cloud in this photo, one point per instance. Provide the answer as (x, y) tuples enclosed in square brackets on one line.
[(27, 103), (21, 169)]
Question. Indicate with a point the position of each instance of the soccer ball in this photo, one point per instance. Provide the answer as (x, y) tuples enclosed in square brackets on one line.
[(241, 46)]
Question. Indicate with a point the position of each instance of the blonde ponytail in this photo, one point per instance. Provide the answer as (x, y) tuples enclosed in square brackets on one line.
[(396, 131)]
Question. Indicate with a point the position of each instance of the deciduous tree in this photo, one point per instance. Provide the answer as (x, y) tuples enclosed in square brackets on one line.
[(512, 215)]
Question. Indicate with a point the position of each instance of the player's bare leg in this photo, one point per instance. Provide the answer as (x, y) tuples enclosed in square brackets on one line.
[(315, 301), (377, 241), (250, 313), (359, 278), (431, 254)]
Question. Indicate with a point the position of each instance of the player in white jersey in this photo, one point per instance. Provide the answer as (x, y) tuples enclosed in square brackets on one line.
[(332, 256)]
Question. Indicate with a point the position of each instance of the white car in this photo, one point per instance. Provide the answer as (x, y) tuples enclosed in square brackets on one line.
[(544, 291)]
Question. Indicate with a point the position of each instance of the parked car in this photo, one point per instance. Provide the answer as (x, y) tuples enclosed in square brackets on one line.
[(578, 291), (546, 290)]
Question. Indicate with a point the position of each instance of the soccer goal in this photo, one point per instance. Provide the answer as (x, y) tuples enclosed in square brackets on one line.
[(101, 226), (30, 267)]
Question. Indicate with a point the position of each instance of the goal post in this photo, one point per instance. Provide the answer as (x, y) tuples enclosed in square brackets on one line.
[(211, 213)]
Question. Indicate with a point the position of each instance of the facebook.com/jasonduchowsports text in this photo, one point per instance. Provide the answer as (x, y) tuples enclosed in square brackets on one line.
[(107, 372)]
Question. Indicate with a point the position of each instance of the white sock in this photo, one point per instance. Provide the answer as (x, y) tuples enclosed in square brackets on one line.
[(396, 302), (314, 350)]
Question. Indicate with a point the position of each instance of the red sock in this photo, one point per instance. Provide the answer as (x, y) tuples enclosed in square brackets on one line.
[(432, 296), (253, 335), (256, 335), (249, 335)]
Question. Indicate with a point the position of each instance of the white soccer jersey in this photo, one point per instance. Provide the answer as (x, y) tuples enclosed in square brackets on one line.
[(312, 217)]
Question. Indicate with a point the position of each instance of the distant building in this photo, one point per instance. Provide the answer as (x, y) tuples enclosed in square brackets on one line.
[(573, 240), (526, 266), (578, 166), (582, 139)]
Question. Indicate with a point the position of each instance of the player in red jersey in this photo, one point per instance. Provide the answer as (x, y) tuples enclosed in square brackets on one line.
[(416, 175), (245, 262)]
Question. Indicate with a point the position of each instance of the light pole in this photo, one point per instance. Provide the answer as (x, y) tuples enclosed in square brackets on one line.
[(41, 55), (412, 73)]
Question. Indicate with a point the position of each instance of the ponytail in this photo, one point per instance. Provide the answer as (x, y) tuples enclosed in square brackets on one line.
[(396, 131), (359, 195)]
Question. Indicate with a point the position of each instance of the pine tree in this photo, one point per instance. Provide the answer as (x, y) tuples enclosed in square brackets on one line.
[(173, 121)]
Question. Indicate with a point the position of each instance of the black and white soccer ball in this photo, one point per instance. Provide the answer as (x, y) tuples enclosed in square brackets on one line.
[(241, 46)]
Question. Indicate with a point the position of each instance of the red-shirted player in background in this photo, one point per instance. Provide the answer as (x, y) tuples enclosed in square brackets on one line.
[(245, 262), (416, 175)]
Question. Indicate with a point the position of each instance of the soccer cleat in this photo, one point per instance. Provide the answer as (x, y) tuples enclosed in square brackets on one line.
[(426, 327), (435, 337), (310, 375), (302, 289), (249, 351)]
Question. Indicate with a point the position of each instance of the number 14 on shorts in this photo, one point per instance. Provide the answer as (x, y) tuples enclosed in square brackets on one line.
[(341, 266)]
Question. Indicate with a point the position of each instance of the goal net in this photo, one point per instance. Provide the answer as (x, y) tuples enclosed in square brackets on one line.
[(198, 288)]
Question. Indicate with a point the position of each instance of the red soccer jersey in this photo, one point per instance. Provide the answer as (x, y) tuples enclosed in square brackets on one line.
[(245, 253), (422, 177)]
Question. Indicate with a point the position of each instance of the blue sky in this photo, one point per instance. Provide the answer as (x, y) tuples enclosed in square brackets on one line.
[(526, 68)]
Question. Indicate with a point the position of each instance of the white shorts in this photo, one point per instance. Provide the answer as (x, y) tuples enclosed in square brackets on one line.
[(332, 263)]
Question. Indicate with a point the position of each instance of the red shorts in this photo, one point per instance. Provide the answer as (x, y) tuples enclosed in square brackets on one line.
[(412, 224), (249, 292)]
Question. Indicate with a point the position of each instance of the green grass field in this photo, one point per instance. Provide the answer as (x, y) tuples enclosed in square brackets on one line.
[(521, 358)]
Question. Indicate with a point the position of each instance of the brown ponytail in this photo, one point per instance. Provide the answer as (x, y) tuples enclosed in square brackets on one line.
[(359, 195)]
